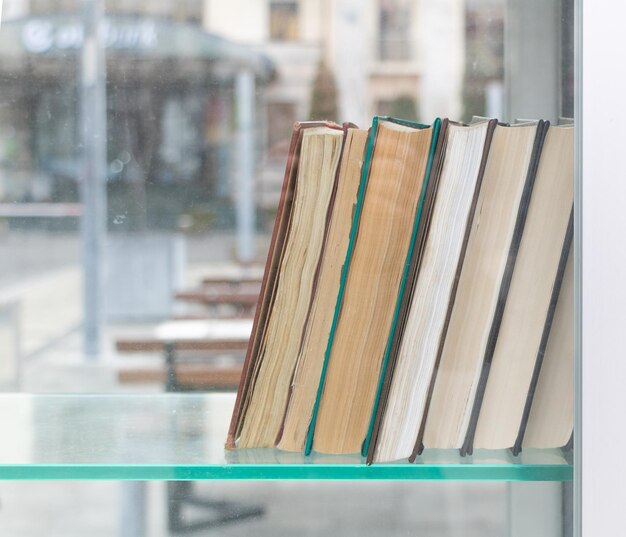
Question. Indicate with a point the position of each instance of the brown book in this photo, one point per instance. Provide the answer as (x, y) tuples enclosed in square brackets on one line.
[(395, 175), (269, 286), (529, 303), (489, 260), (313, 346), (551, 397), (465, 153)]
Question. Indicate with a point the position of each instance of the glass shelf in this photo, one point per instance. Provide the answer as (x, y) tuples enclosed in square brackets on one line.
[(179, 437)]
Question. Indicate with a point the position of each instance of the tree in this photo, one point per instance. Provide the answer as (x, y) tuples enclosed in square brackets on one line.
[(404, 107), (324, 95)]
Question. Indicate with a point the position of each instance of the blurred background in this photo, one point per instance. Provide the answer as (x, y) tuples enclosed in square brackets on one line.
[(142, 152)]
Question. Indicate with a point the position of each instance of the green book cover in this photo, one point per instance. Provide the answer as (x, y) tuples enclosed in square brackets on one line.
[(344, 273)]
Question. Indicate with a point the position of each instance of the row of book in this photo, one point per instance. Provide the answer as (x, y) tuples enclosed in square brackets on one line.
[(418, 292)]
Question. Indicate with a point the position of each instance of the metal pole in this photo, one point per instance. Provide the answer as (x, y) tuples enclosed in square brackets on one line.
[(532, 65), (133, 509), (535, 509), (94, 145), (245, 170)]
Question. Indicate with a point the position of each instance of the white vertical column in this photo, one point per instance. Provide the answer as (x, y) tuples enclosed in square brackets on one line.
[(245, 95), (441, 42), (350, 62), (600, 442), (535, 509), (133, 509), (93, 173), (532, 59)]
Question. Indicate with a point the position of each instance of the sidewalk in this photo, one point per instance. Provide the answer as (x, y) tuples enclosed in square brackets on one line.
[(43, 273)]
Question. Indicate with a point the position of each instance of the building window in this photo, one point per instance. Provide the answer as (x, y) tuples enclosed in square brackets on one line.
[(395, 30), (283, 21)]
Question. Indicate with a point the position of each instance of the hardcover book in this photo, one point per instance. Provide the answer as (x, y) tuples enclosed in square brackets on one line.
[(393, 190), (489, 260), (464, 153), (523, 327), (313, 346), (296, 245)]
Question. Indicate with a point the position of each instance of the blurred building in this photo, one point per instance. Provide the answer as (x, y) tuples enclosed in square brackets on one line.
[(379, 51), (170, 93), (170, 110)]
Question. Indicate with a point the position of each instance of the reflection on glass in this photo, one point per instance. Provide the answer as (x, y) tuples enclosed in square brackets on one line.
[(198, 101)]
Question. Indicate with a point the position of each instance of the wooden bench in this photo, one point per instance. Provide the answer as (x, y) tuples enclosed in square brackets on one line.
[(222, 304), (186, 377), (234, 276), (204, 316), (191, 335), (207, 335), (231, 281), (211, 298), (150, 344)]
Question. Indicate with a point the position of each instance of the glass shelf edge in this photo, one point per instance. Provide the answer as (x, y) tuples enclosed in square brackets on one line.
[(271, 472)]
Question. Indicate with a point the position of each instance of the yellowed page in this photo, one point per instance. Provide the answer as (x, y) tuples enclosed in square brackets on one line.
[(387, 218), (319, 159), (311, 358)]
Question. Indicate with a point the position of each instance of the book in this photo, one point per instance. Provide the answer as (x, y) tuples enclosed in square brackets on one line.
[(313, 346), (488, 265), (420, 231), (551, 397), (417, 293), (279, 320), (465, 149), (521, 329), (392, 192)]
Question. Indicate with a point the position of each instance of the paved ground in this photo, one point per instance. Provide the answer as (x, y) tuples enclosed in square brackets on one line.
[(44, 272)]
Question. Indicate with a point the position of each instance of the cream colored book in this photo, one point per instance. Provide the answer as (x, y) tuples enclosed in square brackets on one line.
[(491, 250), (527, 307), (311, 356), (458, 185), (278, 351), (551, 418)]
